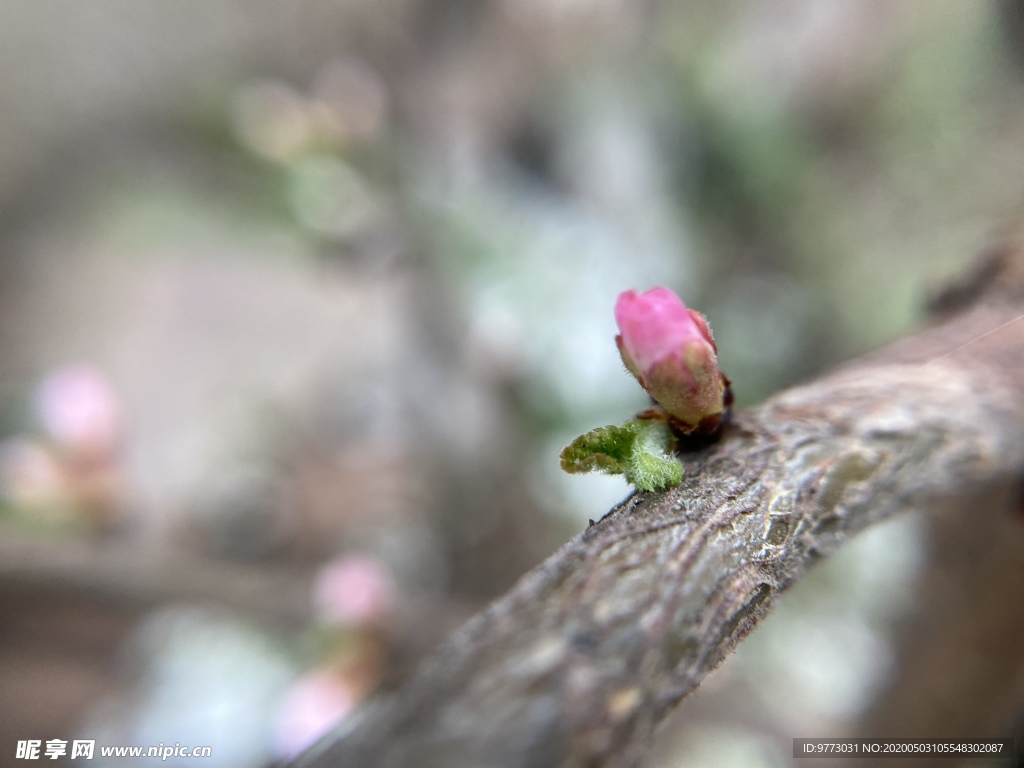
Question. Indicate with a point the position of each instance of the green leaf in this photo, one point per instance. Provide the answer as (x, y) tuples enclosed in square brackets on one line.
[(637, 449), (652, 468), (607, 449)]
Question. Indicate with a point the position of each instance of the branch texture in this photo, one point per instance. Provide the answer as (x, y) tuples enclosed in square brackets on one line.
[(578, 664)]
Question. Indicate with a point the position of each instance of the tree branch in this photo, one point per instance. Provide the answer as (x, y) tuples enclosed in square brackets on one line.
[(142, 578), (578, 664)]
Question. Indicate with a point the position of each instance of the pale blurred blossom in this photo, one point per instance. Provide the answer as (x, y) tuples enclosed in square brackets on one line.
[(353, 590), (332, 198), (79, 409), (354, 96), (271, 119), (348, 102), (313, 705), (29, 474)]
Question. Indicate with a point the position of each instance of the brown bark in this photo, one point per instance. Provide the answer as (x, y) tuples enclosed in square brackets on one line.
[(578, 664)]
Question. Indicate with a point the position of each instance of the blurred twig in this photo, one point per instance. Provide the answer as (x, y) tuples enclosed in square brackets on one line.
[(129, 571), (962, 664), (590, 651)]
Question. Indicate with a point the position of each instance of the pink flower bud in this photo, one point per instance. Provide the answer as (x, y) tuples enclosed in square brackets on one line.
[(311, 707), (670, 350), (355, 589), (80, 410)]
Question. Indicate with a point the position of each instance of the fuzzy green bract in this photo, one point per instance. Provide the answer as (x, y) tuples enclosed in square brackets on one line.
[(637, 449)]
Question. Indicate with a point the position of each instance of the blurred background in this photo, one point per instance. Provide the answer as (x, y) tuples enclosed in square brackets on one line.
[(300, 301)]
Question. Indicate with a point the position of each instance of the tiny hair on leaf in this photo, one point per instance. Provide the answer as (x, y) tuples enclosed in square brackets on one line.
[(638, 449)]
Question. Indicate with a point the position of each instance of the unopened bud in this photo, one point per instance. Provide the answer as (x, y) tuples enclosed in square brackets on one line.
[(670, 351)]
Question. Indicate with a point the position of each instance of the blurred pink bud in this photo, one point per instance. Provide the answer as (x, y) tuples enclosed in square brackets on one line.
[(79, 409), (312, 706), (355, 589), (670, 350)]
